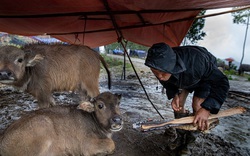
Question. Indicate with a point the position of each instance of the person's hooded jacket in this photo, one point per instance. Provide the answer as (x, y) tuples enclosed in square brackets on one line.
[(190, 67)]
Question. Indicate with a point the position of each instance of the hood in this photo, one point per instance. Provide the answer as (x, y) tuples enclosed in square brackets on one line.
[(163, 58)]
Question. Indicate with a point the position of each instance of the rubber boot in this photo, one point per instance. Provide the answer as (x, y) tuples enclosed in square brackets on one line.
[(181, 133), (186, 137), (181, 115), (176, 137)]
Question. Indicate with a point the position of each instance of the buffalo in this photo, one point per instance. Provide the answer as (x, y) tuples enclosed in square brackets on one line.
[(41, 69), (243, 68), (66, 130)]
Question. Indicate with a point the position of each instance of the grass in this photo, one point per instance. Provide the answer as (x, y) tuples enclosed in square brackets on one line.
[(230, 73), (116, 64)]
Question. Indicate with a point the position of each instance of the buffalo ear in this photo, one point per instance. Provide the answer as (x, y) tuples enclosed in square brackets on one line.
[(86, 106), (119, 96), (34, 60)]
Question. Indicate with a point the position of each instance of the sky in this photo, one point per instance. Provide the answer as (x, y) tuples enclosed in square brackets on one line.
[(225, 39)]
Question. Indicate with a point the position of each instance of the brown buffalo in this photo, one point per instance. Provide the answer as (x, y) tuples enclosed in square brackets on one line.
[(65, 130), (42, 69)]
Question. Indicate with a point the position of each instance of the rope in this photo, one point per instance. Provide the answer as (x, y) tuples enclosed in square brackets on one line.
[(140, 81), (121, 39)]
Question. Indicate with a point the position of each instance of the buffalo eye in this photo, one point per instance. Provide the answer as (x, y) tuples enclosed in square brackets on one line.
[(20, 60), (100, 106)]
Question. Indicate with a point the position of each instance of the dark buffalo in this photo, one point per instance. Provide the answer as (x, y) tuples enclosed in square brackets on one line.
[(65, 130), (42, 69), (243, 68)]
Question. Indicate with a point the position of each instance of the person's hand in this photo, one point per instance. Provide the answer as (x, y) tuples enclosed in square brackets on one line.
[(201, 119), (176, 103)]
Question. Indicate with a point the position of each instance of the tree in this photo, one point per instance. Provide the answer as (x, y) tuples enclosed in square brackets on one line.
[(195, 32), (242, 17)]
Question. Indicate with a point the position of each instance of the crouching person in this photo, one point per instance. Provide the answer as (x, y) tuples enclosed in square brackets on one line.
[(187, 69), (182, 70), (66, 130)]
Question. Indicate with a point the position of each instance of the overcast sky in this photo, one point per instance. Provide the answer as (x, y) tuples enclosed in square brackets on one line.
[(225, 39)]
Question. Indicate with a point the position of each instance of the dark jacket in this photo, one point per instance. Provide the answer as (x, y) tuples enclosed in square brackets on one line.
[(199, 68)]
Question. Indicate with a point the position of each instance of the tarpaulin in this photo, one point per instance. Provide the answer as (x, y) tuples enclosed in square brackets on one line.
[(100, 22)]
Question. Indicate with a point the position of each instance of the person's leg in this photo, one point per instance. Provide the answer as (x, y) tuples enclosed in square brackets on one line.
[(181, 135), (187, 137)]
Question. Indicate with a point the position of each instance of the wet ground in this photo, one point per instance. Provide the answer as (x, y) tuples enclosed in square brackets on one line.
[(230, 137)]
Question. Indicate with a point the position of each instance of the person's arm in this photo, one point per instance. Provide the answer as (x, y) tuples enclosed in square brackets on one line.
[(201, 119), (219, 86), (218, 92), (179, 100), (206, 70), (171, 90)]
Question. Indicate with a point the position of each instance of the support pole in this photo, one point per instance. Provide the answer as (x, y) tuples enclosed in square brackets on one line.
[(124, 64), (121, 40), (125, 51)]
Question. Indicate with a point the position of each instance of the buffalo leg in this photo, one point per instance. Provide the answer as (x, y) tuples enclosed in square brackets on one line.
[(45, 101), (83, 94), (102, 147)]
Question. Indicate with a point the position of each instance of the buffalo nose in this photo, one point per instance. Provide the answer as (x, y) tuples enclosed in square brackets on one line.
[(5, 74), (117, 119)]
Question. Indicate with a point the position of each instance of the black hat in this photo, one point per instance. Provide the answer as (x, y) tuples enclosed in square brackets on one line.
[(162, 57)]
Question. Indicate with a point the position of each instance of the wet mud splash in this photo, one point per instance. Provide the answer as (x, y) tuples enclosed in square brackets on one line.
[(230, 137)]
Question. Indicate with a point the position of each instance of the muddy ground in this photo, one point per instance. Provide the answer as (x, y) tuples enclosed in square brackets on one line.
[(230, 137)]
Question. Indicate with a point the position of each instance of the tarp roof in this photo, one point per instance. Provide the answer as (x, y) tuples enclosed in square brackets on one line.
[(95, 22)]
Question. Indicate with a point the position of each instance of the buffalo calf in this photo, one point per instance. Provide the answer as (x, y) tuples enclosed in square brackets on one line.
[(65, 130), (41, 69)]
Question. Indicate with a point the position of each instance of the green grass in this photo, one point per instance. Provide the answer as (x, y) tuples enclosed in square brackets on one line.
[(116, 63), (231, 72)]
